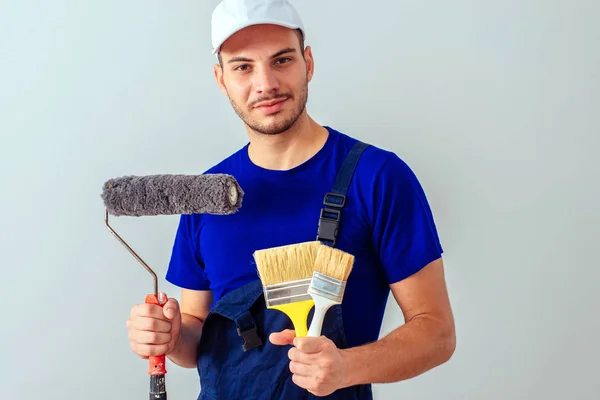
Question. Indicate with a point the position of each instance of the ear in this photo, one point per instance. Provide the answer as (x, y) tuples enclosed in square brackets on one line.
[(310, 62), (218, 71)]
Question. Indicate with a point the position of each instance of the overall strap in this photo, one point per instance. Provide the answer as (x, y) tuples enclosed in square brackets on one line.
[(335, 200)]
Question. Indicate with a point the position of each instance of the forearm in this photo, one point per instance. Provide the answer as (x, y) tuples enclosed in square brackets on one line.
[(414, 348), (185, 353)]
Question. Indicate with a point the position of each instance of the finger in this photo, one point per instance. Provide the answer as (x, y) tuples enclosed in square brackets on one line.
[(147, 350), (173, 341), (304, 382), (294, 354), (305, 370), (148, 310), (282, 338), (150, 324), (162, 298), (171, 309), (144, 337), (310, 345)]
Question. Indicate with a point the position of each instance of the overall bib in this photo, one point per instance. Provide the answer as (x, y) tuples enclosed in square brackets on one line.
[(236, 359)]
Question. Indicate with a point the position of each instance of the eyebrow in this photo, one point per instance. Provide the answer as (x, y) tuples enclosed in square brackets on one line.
[(279, 53)]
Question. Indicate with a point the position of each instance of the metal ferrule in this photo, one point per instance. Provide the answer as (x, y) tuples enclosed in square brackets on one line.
[(328, 287), (288, 292)]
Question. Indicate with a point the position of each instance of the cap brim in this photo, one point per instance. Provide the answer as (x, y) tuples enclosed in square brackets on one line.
[(251, 23)]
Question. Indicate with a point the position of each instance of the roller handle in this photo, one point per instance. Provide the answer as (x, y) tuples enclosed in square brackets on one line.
[(157, 364)]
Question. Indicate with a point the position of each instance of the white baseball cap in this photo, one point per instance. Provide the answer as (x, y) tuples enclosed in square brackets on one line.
[(231, 16)]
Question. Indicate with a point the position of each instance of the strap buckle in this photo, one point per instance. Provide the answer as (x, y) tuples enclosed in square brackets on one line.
[(329, 222), (250, 338)]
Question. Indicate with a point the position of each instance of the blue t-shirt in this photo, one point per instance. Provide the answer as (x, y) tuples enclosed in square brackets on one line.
[(386, 224)]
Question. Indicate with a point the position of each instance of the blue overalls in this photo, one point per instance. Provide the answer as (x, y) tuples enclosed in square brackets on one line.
[(236, 359)]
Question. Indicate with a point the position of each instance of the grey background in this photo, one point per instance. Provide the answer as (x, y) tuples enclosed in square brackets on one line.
[(493, 104)]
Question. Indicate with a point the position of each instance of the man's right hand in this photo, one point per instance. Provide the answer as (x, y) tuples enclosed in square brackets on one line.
[(154, 330)]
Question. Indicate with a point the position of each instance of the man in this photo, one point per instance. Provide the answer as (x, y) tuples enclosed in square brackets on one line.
[(289, 164)]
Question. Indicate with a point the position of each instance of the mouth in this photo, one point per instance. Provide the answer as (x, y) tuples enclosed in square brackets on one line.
[(271, 106)]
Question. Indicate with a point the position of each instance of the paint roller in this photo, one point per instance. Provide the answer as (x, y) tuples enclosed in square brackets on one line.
[(152, 195)]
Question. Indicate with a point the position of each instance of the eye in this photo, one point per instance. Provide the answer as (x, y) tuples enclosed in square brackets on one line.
[(283, 60), (242, 67)]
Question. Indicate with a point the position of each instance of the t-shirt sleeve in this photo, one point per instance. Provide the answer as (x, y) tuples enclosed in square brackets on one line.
[(405, 237), (186, 268)]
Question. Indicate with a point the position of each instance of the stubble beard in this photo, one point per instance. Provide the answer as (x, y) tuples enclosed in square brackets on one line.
[(276, 126)]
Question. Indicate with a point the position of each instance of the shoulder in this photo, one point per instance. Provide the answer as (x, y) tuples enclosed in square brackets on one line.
[(230, 164), (376, 163)]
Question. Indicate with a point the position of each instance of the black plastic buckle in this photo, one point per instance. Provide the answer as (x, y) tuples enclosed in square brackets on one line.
[(250, 338), (329, 223), (334, 200)]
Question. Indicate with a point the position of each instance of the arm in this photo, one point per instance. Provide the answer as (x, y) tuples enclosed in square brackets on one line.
[(195, 305), (426, 340), (404, 236)]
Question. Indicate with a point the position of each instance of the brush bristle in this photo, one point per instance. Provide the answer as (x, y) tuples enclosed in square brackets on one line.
[(334, 263), (286, 263)]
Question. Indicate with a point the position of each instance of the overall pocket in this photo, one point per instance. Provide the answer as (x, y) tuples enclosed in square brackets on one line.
[(227, 371)]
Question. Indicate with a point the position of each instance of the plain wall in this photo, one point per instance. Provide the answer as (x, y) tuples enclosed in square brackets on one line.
[(495, 106)]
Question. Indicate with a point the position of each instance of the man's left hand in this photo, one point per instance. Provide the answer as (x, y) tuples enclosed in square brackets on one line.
[(316, 362)]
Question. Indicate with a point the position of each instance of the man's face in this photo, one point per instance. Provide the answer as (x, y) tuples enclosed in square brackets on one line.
[(265, 77)]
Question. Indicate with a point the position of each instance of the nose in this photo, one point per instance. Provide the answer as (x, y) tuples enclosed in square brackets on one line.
[(265, 81)]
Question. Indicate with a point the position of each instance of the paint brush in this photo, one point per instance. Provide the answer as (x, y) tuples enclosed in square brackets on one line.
[(331, 271), (285, 273)]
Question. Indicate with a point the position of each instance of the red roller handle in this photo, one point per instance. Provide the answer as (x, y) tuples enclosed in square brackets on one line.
[(157, 365)]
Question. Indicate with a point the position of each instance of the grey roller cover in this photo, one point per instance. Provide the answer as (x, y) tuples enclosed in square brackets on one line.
[(172, 194)]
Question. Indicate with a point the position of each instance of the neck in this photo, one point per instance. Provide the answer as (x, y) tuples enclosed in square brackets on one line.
[(288, 149)]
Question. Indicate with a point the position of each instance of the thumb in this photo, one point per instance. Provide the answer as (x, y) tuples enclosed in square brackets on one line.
[(171, 309), (282, 338)]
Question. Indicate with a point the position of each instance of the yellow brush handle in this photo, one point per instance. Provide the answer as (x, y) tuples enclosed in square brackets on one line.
[(298, 313)]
